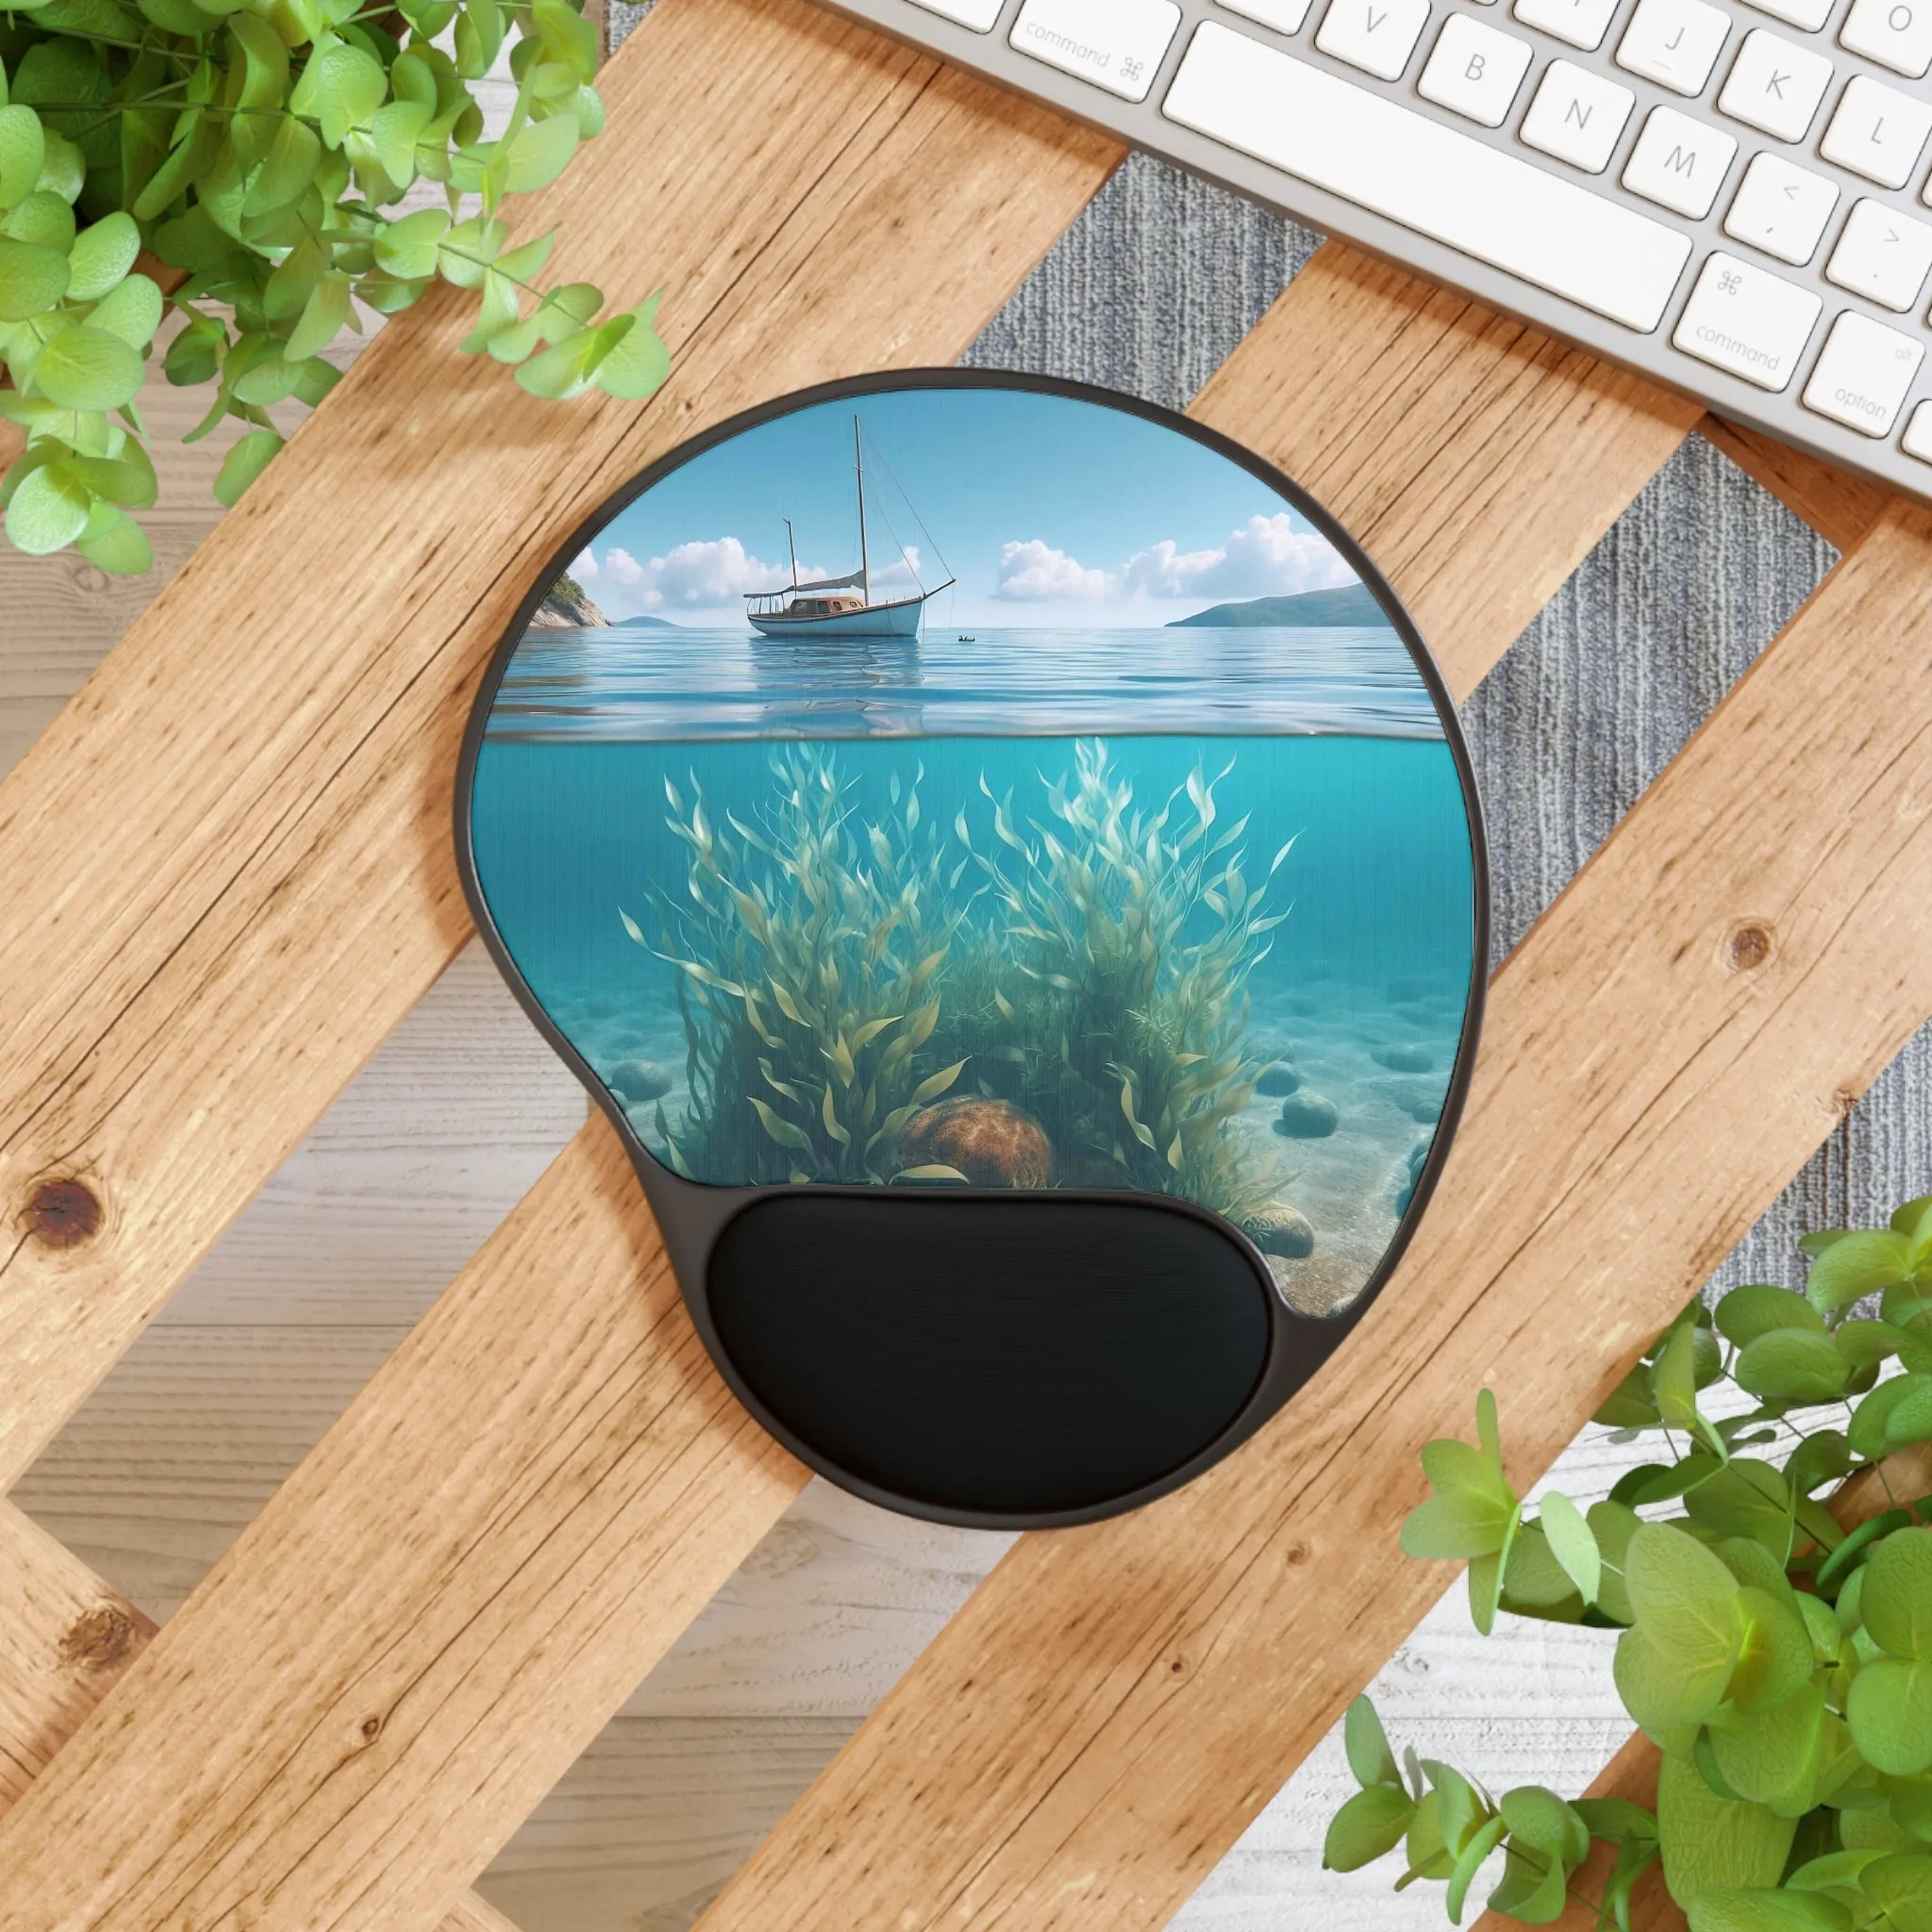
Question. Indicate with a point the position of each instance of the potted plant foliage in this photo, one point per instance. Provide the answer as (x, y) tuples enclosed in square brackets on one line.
[(1773, 1581)]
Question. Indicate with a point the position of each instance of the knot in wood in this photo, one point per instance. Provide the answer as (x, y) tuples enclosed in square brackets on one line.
[(1748, 947), (62, 1214), (99, 1638), (1298, 1552), (371, 1728)]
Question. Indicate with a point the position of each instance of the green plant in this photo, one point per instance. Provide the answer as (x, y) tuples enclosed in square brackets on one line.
[(255, 148), (1781, 1662), (1133, 933), (809, 949)]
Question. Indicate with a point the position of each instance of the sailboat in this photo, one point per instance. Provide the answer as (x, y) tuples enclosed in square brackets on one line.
[(827, 608)]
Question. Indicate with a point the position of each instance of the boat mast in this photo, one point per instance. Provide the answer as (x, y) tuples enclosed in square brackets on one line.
[(791, 543), (864, 558)]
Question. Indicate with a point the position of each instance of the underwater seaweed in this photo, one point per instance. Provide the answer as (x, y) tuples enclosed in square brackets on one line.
[(807, 948), (1134, 933)]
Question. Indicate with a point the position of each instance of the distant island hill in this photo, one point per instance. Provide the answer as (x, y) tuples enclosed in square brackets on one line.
[(1352, 605), (569, 607)]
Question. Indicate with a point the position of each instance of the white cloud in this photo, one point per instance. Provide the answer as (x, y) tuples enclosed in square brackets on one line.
[(585, 568), (1036, 573), (696, 575), (1268, 556)]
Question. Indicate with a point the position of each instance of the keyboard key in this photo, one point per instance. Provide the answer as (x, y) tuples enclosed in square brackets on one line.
[(1895, 33), (1115, 44), (1679, 163), (1452, 187), (1917, 437), (1743, 319), (977, 15), (1781, 208), (1581, 23), (1863, 375), (1877, 132), (1283, 16), (1775, 86), (1882, 254), (1577, 116), (1808, 15), (1674, 42), (1378, 36), (1475, 70)]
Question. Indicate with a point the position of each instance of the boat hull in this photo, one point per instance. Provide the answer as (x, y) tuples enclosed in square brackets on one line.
[(882, 621)]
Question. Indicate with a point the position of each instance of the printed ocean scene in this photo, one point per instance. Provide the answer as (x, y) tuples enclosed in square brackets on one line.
[(989, 788)]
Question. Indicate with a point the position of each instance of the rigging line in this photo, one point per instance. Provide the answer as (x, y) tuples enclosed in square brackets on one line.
[(905, 556), (911, 505)]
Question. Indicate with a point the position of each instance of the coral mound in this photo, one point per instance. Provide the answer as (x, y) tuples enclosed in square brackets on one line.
[(990, 1143)]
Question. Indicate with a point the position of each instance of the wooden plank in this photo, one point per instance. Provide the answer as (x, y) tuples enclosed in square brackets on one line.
[(66, 1639), (1099, 1723), (1840, 507), (230, 860), (1633, 1772), (612, 1248)]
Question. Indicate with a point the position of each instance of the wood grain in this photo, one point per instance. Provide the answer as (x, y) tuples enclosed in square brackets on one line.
[(228, 859), (65, 1641), (1103, 1719)]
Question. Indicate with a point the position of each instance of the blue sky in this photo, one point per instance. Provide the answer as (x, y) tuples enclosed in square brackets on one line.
[(1052, 512)]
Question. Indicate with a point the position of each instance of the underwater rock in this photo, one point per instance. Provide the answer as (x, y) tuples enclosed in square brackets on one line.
[(640, 1080), (990, 1142), (1279, 1229), (1425, 1112), (1402, 1057), (1276, 1079), (1308, 1117)]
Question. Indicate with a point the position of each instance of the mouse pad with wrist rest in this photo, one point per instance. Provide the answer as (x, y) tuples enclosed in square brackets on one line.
[(1004, 860)]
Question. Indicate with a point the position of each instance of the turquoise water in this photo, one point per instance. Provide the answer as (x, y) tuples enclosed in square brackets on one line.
[(1085, 947)]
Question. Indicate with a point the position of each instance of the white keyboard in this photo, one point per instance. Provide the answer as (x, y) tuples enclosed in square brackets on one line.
[(1732, 200)]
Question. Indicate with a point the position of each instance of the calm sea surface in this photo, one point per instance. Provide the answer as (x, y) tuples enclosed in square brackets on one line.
[(699, 684)]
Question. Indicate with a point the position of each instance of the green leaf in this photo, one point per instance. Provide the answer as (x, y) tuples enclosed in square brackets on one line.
[(86, 368), (101, 256), (407, 248), (1799, 1365), (321, 319), (44, 220), (1910, 1419), (341, 86), (1675, 1665), (782, 1131), (1628, 1406), (1870, 1433), (1370, 1824), (1572, 1543), (1613, 1526), (133, 312), (1774, 1656), (49, 509), (1367, 1744), (1746, 1313), (1711, 1844), (636, 366), (22, 153), (32, 280), (1767, 1911), (1890, 1708), (1901, 1887), (242, 465), (540, 153), (1487, 1836), (1745, 1498), (1673, 1378), (1897, 1600), (1854, 1266), (1819, 1459), (286, 170), (1773, 1758), (114, 543)]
